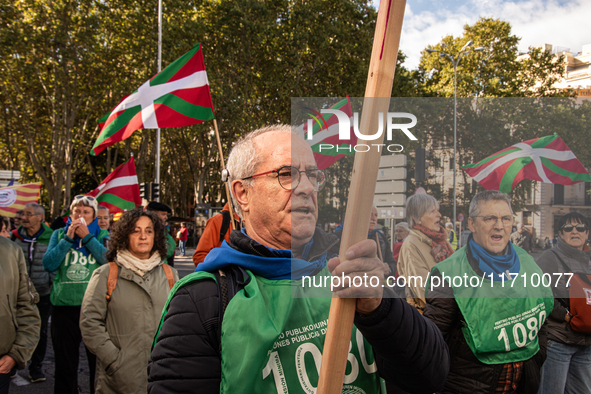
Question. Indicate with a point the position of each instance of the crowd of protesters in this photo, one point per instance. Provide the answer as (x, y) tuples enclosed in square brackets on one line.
[(108, 284)]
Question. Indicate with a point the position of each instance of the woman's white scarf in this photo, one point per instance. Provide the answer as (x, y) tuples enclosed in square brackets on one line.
[(139, 266)]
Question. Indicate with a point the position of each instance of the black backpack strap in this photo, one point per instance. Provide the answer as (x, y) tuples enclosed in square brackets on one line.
[(230, 281), (225, 225)]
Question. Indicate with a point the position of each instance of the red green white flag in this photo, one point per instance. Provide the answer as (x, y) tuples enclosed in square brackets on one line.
[(325, 142), (119, 191), (177, 96), (545, 159)]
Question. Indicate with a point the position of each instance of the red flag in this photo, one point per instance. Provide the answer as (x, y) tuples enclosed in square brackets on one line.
[(177, 96), (120, 190)]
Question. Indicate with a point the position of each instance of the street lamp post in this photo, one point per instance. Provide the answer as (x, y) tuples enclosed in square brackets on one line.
[(455, 61), (159, 69)]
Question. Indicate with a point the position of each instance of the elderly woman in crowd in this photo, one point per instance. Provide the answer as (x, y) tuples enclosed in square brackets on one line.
[(104, 220), (568, 364), (401, 231), (74, 251), (425, 246), (120, 327)]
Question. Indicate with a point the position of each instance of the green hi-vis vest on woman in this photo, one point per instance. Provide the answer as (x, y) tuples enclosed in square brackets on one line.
[(272, 342), (502, 320), (73, 275)]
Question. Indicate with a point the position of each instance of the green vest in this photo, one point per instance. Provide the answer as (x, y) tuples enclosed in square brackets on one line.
[(73, 275), (272, 340), (500, 321)]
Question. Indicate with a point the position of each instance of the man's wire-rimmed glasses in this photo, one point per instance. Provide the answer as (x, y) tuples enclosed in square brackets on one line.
[(289, 177)]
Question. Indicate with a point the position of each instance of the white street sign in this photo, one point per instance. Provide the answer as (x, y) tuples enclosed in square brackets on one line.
[(8, 175), (389, 200), (396, 160), (391, 187), (387, 174)]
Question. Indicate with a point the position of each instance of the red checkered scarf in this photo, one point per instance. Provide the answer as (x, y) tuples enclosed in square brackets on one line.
[(441, 248)]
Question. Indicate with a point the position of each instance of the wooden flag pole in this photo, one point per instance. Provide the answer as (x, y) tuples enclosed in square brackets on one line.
[(363, 181), (217, 137)]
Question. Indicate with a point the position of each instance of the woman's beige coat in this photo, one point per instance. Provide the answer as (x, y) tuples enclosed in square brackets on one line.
[(414, 264), (121, 333)]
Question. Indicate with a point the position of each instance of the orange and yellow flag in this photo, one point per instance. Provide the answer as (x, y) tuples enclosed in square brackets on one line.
[(14, 198)]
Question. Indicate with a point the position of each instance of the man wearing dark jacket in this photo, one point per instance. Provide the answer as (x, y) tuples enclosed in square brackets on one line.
[(272, 335), (483, 301), (33, 237), (163, 211)]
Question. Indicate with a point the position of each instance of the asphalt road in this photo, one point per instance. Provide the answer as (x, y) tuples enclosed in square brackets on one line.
[(21, 383)]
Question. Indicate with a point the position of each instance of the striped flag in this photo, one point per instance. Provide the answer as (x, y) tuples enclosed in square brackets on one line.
[(177, 96), (14, 198), (325, 142), (119, 191), (545, 159)]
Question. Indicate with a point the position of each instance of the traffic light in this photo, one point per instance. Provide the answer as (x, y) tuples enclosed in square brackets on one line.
[(155, 194), (144, 190)]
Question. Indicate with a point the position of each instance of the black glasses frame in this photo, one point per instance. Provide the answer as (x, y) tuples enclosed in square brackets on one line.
[(317, 187), (581, 228)]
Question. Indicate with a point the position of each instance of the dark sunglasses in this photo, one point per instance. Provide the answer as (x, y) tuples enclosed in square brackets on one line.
[(567, 228)]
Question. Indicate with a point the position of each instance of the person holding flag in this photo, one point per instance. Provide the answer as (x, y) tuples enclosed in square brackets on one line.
[(275, 183)]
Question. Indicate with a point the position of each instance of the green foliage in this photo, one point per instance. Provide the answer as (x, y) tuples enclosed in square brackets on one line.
[(495, 72), (68, 63)]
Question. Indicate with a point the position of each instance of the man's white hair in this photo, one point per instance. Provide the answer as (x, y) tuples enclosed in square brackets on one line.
[(244, 159)]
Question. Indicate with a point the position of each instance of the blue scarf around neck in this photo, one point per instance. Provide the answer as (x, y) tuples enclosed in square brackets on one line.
[(282, 267), (93, 228), (496, 265)]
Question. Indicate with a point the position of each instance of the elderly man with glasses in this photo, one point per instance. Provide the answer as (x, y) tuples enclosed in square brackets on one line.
[(568, 367), (246, 324), (33, 238), (489, 304)]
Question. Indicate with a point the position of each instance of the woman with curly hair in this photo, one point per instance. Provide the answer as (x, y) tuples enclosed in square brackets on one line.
[(119, 327)]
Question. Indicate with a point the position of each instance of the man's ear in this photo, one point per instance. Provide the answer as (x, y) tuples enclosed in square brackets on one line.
[(240, 193), (471, 224)]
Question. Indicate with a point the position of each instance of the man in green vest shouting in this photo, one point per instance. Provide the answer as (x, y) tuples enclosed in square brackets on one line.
[(490, 303), (244, 322)]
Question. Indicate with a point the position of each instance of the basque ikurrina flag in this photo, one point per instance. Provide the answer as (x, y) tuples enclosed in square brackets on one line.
[(120, 190), (545, 159), (324, 140), (177, 96)]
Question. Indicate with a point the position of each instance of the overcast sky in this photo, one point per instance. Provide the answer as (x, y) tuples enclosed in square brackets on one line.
[(557, 22)]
